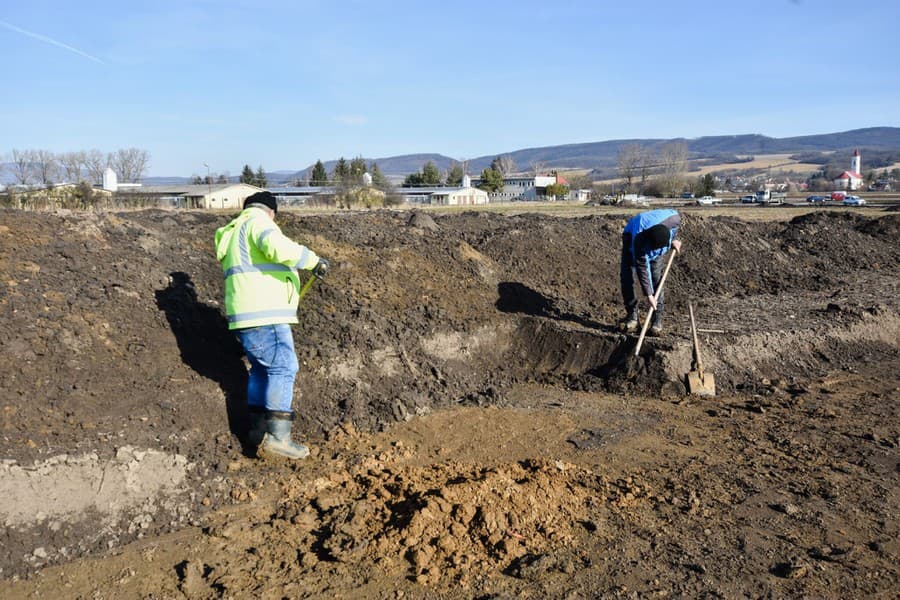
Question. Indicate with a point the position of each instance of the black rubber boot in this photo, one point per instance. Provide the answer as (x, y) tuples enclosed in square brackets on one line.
[(631, 322), (277, 442), (656, 327), (257, 428)]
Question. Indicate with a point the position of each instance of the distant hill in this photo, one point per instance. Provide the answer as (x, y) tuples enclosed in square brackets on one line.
[(600, 157), (604, 155)]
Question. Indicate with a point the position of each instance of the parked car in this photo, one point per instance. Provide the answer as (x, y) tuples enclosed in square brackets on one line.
[(748, 199), (706, 200), (853, 201), (687, 195), (635, 200), (816, 199)]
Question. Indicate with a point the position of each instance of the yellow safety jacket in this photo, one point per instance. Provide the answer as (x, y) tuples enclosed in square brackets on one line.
[(260, 265)]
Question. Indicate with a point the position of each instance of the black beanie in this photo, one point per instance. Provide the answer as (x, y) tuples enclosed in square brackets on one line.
[(265, 198)]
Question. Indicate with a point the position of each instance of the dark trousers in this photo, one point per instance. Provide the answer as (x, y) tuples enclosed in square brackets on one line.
[(626, 278)]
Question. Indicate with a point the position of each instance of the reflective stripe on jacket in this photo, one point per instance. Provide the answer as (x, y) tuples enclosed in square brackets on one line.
[(260, 265)]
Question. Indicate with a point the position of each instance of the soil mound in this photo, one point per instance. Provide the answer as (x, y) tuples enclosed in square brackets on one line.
[(113, 323)]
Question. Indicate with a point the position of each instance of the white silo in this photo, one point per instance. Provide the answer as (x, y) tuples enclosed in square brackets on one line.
[(110, 181)]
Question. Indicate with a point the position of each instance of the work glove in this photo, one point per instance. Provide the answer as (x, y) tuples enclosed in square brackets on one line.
[(321, 268)]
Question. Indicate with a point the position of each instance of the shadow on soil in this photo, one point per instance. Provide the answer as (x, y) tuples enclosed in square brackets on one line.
[(518, 298), (593, 356), (207, 346)]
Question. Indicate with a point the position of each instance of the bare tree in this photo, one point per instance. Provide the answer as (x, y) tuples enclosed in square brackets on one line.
[(506, 164), (129, 164), (673, 162), (646, 165), (23, 166), (73, 164), (95, 163), (537, 167), (630, 158), (46, 166), (580, 181)]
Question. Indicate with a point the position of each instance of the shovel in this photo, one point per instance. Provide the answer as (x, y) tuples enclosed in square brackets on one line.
[(662, 280), (306, 286), (698, 382)]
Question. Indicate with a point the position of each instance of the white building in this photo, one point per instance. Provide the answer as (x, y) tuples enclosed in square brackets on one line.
[(852, 179), (216, 195), (526, 187), (459, 196)]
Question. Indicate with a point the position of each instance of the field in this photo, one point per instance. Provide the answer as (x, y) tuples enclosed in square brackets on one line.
[(479, 426), (772, 163)]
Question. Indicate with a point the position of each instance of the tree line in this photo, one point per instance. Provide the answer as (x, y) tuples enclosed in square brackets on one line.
[(431, 176), (346, 174), (45, 168), (656, 171)]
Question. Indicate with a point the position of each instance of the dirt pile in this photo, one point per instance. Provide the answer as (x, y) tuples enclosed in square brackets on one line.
[(120, 351), (441, 525)]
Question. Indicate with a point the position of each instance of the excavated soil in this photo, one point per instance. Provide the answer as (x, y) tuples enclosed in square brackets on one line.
[(479, 426)]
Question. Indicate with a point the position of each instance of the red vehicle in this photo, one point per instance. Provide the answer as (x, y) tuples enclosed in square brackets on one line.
[(838, 196)]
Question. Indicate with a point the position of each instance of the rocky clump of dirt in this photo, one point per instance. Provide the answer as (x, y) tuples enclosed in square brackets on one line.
[(445, 526)]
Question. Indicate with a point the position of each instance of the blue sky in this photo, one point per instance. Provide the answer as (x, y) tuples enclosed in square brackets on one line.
[(281, 84)]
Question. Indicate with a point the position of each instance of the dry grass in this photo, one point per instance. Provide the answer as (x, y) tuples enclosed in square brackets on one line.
[(774, 163)]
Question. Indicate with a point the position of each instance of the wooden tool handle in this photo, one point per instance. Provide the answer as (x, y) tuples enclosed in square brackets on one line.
[(696, 342), (662, 280)]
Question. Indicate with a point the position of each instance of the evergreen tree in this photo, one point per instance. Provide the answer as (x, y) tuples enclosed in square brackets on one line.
[(430, 174), (341, 171), (357, 169), (413, 179), (378, 178), (319, 175), (247, 175), (261, 179), (455, 175), (707, 186), (491, 180)]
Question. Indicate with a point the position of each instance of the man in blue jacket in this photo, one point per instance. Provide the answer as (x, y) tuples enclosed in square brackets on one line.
[(646, 238)]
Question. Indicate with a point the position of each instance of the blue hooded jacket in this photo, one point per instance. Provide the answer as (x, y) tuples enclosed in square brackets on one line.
[(646, 237)]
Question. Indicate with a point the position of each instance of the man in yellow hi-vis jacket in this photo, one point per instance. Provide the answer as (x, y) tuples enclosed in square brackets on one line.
[(261, 295)]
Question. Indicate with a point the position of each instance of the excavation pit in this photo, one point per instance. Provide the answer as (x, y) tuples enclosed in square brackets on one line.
[(469, 363)]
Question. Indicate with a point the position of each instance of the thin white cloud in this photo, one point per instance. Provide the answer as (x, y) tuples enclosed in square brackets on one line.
[(351, 120), (50, 41)]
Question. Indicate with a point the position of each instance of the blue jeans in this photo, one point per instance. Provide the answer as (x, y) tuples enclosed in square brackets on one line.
[(626, 278), (273, 366)]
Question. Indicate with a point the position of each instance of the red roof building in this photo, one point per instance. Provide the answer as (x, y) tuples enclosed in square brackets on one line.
[(852, 179)]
